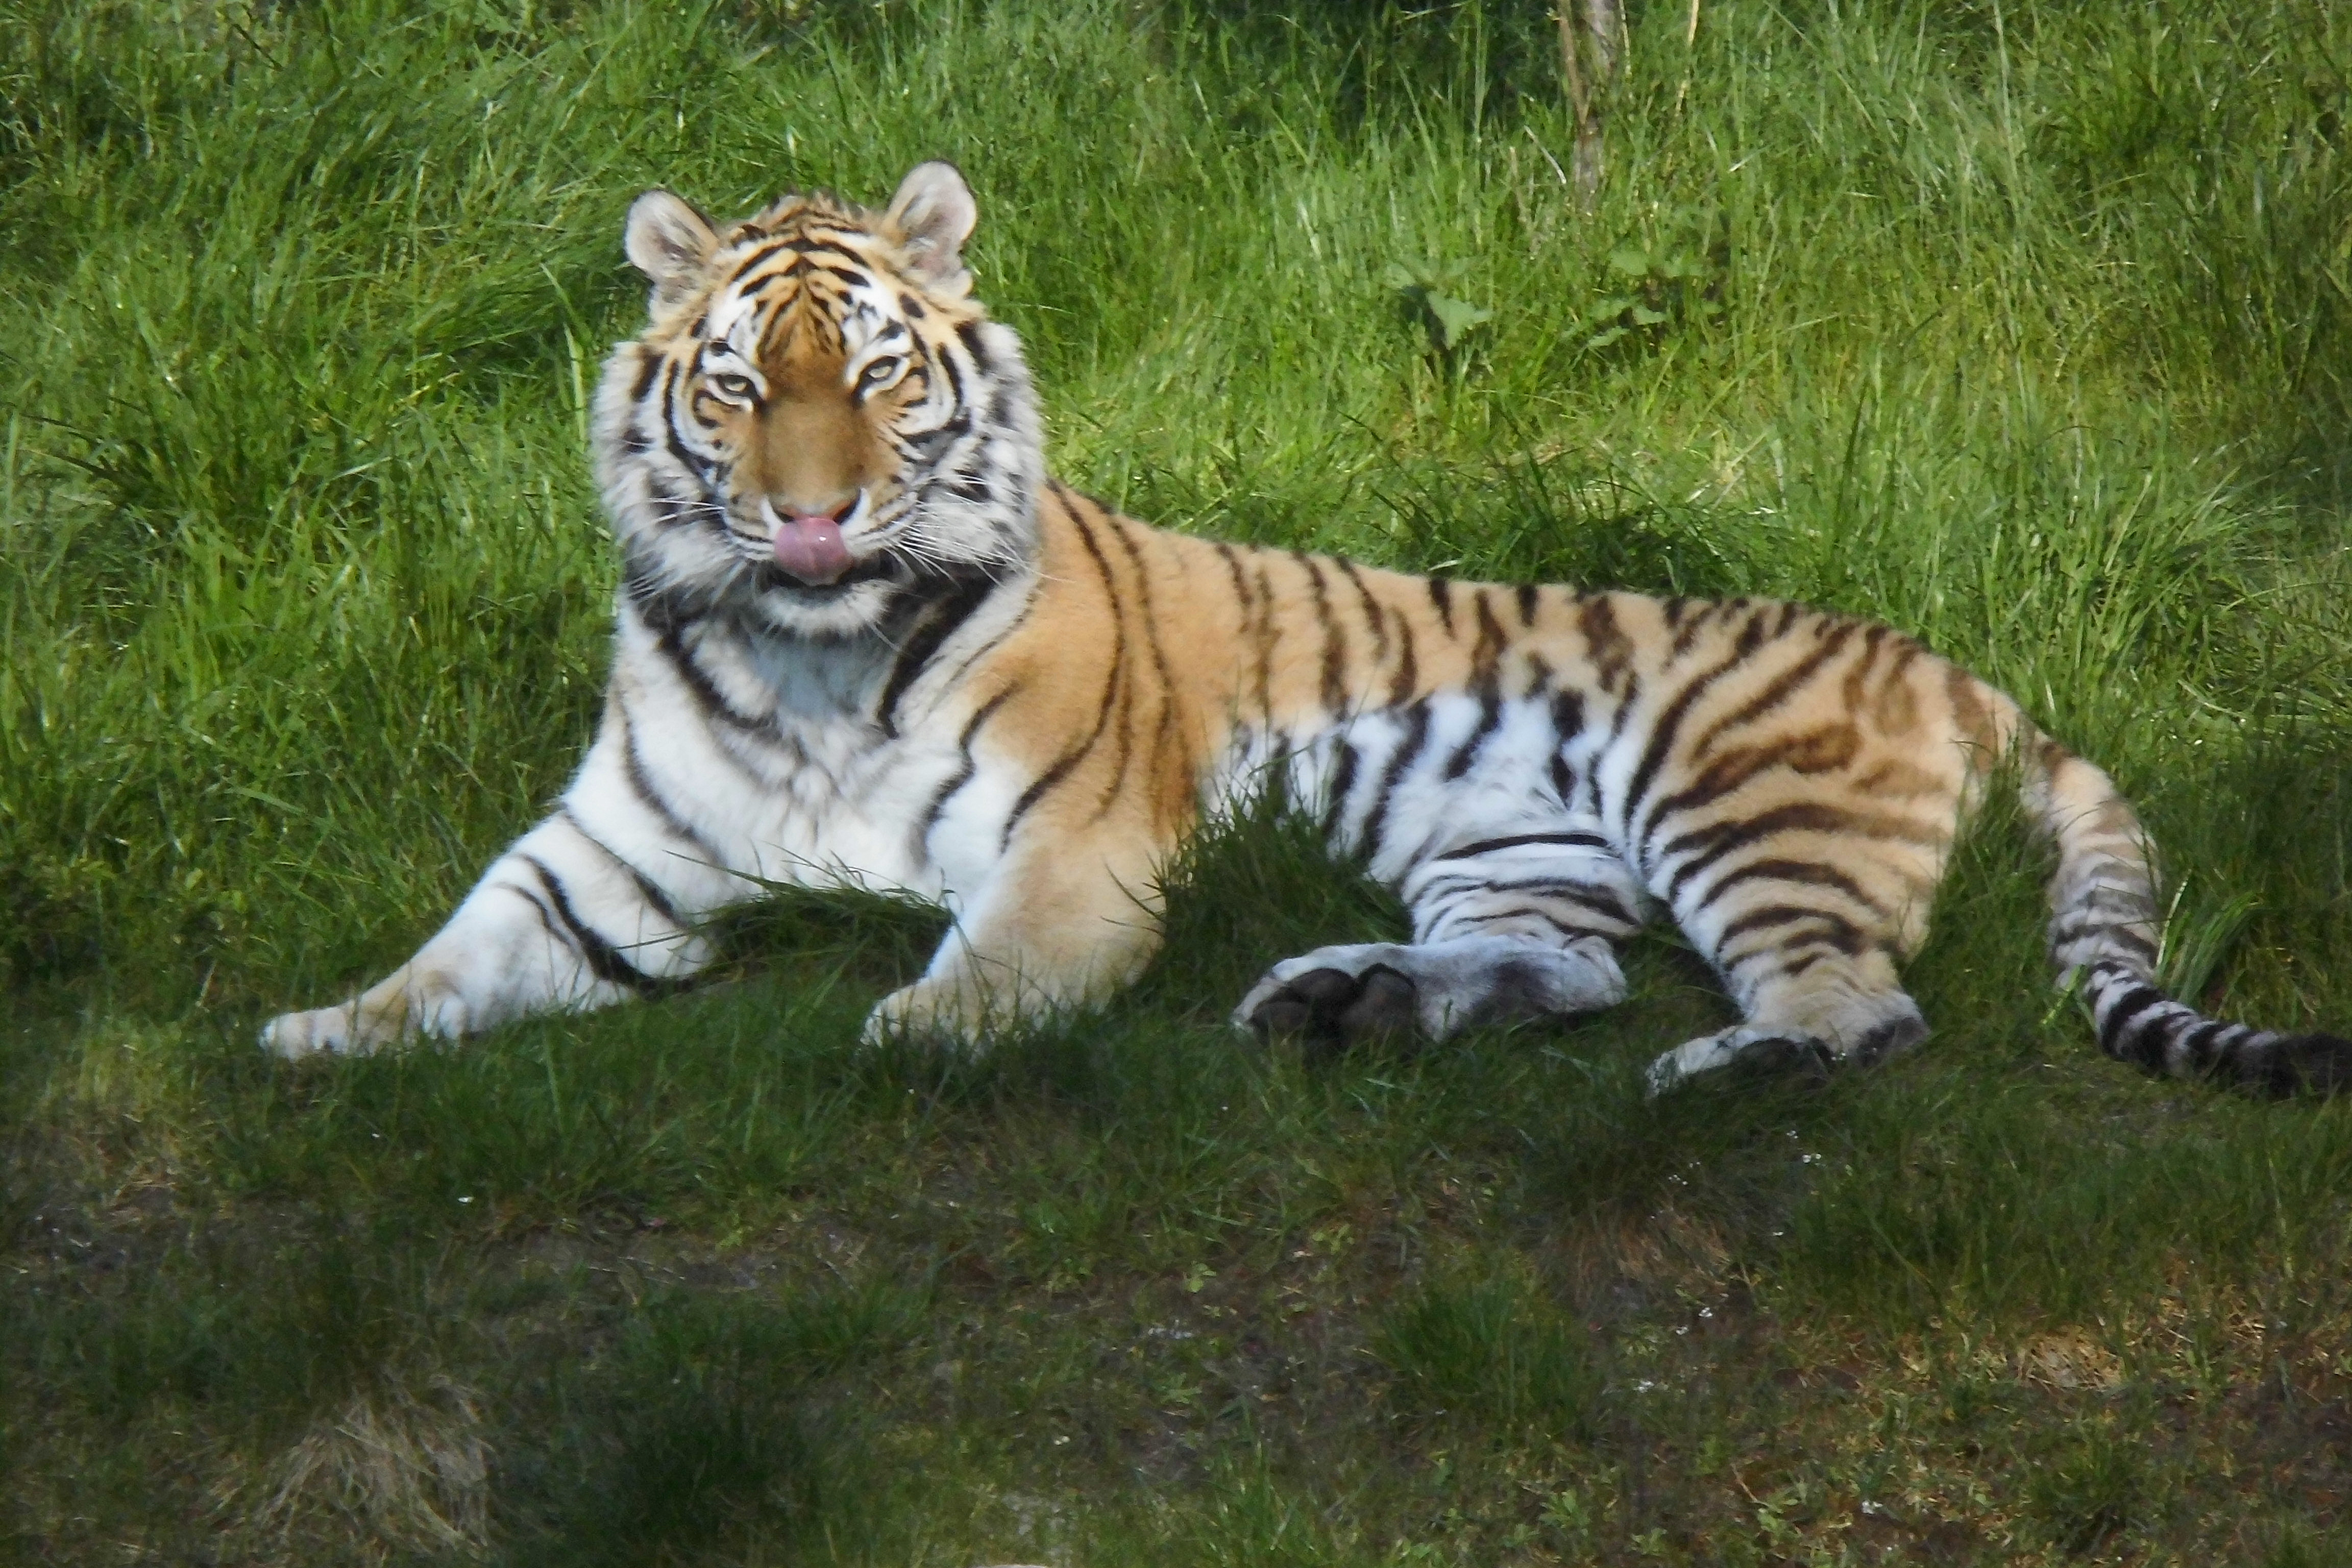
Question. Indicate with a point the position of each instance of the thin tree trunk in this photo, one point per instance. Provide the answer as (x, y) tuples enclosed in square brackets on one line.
[(1590, 34)]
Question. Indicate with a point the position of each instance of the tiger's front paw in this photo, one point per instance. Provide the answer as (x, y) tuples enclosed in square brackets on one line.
[(324, 1031), (951, 1013), (296, 1035), (389, 1014)]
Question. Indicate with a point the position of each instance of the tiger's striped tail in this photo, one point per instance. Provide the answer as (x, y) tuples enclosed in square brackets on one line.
[(2104, 926)]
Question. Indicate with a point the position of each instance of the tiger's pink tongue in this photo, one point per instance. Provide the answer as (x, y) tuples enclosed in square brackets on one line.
[(809, 547)]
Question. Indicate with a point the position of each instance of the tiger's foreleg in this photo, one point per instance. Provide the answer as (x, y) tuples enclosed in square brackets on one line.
[(1520, 921), (600, 903), (1058, 924)]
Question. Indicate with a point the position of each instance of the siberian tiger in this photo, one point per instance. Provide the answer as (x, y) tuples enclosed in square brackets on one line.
[(863, 638)]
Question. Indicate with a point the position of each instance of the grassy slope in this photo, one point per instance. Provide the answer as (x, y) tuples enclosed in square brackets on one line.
[(2023, 327)]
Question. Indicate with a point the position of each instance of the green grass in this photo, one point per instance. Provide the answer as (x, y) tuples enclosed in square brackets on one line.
[(2027, 327)]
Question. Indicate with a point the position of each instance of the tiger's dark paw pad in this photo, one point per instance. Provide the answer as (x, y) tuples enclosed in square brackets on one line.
[(1743, 1056), (1328, 1010), (1800, 1060)]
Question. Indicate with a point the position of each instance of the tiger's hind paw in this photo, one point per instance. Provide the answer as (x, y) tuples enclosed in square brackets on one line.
[(1754, 1053), (1330, 1009), (1335, 996)]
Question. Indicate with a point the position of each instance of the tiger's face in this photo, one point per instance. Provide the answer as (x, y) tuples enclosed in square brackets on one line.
[(818, 429)]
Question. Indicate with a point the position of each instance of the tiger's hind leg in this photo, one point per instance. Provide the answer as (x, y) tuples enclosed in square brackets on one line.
[(1520, 923), (1810, 953)]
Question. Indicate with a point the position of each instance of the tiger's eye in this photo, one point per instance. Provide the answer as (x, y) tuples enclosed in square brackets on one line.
[(729, 384), (880, 372)]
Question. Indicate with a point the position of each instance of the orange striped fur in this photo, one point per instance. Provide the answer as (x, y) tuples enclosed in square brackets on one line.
[(862, 639)]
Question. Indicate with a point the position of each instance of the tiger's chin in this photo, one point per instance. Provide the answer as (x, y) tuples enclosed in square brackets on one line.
[(830, 613)]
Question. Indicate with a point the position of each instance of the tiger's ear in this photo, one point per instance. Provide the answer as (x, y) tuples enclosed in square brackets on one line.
[(670, 242), (935, 213)]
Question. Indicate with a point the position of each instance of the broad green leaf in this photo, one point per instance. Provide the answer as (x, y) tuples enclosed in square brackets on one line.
[(1455, 318)]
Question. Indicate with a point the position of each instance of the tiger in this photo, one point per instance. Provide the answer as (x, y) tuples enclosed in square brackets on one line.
[(862, 639)]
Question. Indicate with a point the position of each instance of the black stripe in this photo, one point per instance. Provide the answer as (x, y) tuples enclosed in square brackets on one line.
[(2121, 1016), (1528, 911), (1408, 671), (1012, 626), (916, 656), (1605, 643), (1617, 720), (1567, 724), (1490, 716), (649, 364), (1773, 915), (675, 447), (963, 775), (756, 260), (670, 643), (1123, 717), (968, 334), (1811, 873), (1487, 846), (1687, 632), (1583, 895), (1372, 614), (1144, 612), (1838, 931), (653, 895), (1416, 738), (1441, 594), (1267, 637), (1052, 777), (1721, 777), (2200, 1044), (1343, 781), (1112, 683), (633, 769), (1335, 647), (1491, 642), (1782, 687), (1526, 603), (1713, 843), (2073, 928), (539, 907), (1873, 642), (955, 398), (603, 960), (1246, 602), (1232, 558), (1669, 724)]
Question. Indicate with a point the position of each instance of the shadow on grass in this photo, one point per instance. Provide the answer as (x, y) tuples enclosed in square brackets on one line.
[(712, 1419)]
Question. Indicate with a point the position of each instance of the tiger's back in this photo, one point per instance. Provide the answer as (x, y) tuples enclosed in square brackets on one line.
[(861, 637)]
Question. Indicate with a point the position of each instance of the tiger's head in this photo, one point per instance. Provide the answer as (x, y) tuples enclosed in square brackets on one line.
[(819, 429)]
